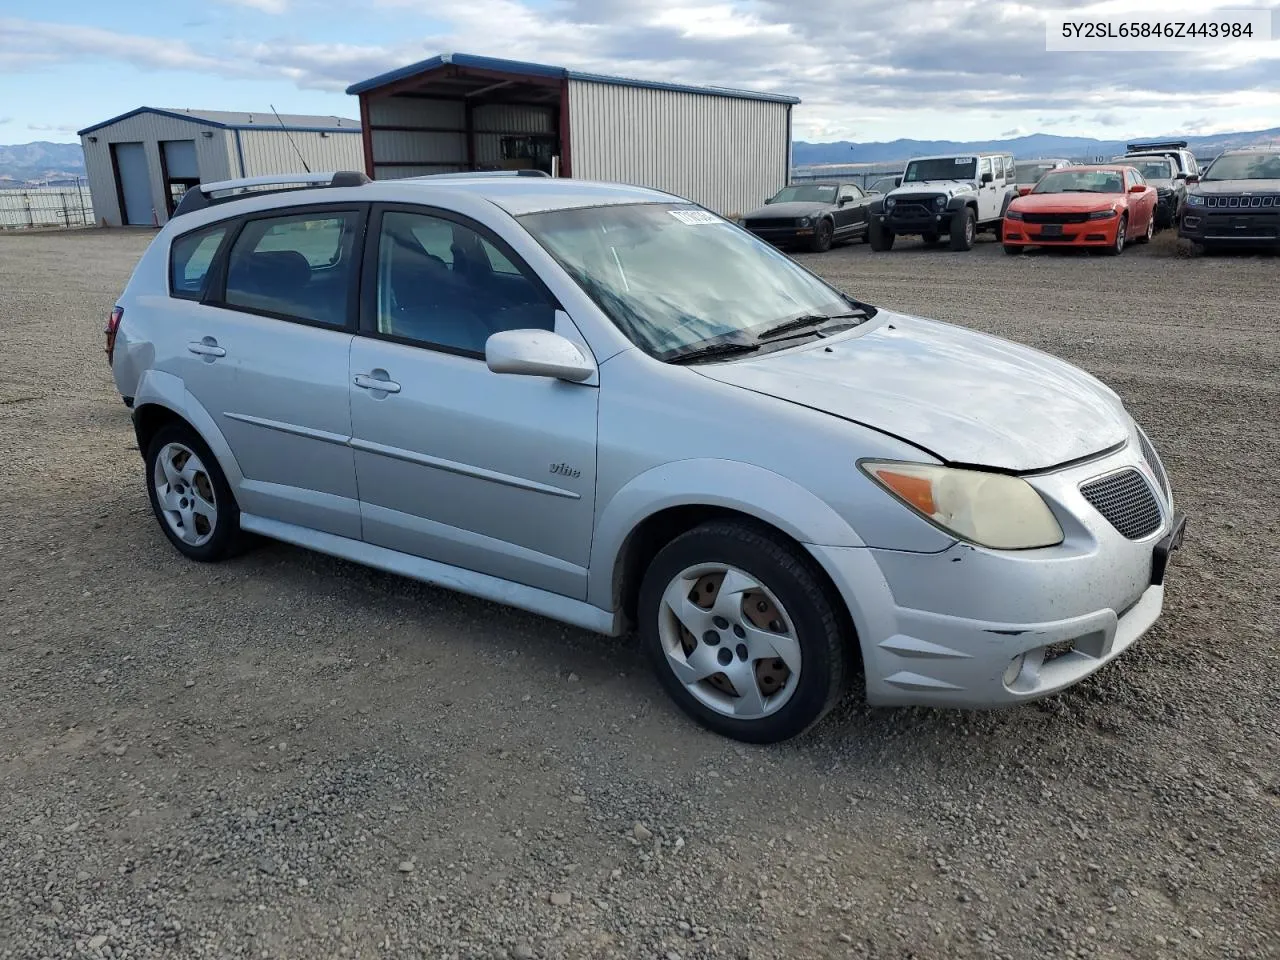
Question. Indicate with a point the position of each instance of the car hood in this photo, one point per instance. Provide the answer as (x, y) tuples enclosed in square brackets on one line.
[(794, 208), (949, 187), (1069, 202), (967, 397), (1164, 183), (1238, 186)]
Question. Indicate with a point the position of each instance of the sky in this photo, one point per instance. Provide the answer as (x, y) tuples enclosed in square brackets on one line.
[(864, 69)]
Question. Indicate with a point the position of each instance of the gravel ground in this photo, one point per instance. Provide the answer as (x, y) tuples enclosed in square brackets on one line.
[(290, 756)]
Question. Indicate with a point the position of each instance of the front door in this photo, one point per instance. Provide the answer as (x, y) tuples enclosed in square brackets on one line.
[(989, 194), (266, 352), (851, 214), (490, 472)]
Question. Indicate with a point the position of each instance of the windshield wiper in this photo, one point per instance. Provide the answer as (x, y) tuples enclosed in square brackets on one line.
[(713, 352), (803, 321)]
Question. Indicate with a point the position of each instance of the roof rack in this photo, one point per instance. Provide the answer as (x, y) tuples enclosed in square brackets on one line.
[(221, 191), (1156, 145), (480, 175)]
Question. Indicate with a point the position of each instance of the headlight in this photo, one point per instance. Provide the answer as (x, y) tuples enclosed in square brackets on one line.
[(1102, 214), (804, 221), (939, 202), (991, 509), (890, 203), (1013, 214), (1195, 200)]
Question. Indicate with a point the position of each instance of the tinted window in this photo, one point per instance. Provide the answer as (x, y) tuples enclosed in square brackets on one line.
[(298, 267), (189, 260), (442, 284)]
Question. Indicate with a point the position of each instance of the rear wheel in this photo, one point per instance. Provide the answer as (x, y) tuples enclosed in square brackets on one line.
[(822, 233), (964, 228), (190, 495), (880, 237), (742, 634), (1151, 230)]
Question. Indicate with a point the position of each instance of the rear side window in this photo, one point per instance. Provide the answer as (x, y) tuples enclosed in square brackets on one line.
[(189, 259), (297, 267)]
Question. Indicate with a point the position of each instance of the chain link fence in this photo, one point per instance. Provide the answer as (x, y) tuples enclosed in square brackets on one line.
[(56, 205)]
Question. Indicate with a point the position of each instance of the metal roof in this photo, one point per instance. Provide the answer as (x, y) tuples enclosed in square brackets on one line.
[(523, 68), (241, 120)]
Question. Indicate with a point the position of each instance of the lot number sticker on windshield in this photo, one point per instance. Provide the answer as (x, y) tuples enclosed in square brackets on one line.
[(694, 216)]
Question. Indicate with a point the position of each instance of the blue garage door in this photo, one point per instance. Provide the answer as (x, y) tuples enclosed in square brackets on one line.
[(180, 159), (135, 182)]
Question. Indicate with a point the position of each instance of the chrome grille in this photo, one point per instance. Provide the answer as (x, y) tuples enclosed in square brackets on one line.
[(1153, 461), (1127, 502)]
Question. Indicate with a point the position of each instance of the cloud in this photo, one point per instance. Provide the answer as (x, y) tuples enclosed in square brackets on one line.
[(957, 59), (4, 120), (52, 127), (1015, 132)]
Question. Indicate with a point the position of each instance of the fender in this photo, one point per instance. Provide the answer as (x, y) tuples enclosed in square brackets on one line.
[(731, 484), (157, 388), (962, 200)]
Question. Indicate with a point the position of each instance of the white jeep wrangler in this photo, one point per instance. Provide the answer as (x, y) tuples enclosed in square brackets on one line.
[(957, 195)]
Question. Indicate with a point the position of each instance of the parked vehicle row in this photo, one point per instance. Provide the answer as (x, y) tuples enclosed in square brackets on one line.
[(553, 394)]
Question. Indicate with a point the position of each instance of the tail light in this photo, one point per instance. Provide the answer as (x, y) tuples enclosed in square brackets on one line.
[(113, 326)]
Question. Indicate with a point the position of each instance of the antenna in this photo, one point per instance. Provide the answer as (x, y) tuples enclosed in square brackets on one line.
[(290, 136)]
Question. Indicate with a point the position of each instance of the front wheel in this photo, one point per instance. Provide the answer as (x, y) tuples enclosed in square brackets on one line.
[(964, 228), (190, 495), (823, 231), (1122, 227), (742, 634), (880, 237)]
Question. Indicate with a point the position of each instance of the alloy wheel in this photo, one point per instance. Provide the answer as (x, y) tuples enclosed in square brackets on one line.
[(185, 494)]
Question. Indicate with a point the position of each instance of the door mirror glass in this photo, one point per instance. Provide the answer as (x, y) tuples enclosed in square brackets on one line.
[(537, 353), (987, 178), (897, 181)]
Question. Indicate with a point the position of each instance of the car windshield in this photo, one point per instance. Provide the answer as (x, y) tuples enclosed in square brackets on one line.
[(1031, 172), (674, 277), (806, 193), (948, 168), (1081, 181), (1155, 169), (1245, 166)]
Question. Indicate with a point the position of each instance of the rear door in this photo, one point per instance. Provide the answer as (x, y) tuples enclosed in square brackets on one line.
[(267, 352), (490, 472)]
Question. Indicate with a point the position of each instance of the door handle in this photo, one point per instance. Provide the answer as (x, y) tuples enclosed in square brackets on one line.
[(208, 347), (374, 382)]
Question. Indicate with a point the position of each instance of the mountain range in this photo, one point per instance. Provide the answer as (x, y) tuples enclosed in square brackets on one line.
[(40, 161), (43, 160), (1029, 147)]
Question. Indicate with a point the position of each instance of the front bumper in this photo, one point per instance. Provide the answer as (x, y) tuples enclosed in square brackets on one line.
[(1237, 228), (915, 221), (1094, 233), (783, 236), (974, 628)]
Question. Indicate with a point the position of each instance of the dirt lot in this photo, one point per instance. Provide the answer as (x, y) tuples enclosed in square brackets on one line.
[(291, 757)]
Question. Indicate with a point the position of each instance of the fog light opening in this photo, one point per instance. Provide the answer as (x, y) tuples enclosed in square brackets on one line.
[(1014, 670)]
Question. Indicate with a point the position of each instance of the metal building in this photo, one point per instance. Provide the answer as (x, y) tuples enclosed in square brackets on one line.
[(140, 163), (725, 149)]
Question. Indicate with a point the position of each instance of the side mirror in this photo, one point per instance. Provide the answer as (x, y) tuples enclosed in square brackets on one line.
[(1024, 190), (842, 201), (537, 353), (768, 200), (987, 178), (897, 181), (1192, 178), (1181, 176), (1137, 188)]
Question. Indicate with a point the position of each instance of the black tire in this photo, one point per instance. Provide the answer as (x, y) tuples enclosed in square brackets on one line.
[(1012, 249), (226, 539), (930, 239), (828, 655), (964, 228), (1122, 235), (880, 238), (823, 231)]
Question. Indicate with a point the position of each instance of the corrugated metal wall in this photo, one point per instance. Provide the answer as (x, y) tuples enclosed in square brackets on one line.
[(725, 153), (270, 151), (212, 155), (438, 152)]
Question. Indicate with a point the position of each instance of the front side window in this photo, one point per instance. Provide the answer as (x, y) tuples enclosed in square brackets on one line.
[(1081, 181), (950, 168), (297, 267), (673, 277), (849, 192), (189, 259), (442, 284)]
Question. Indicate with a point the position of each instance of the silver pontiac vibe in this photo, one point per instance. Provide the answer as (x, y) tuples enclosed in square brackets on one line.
[(611, 407)]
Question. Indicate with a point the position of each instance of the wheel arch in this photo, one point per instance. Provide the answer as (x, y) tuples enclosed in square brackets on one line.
[(163, 398)]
